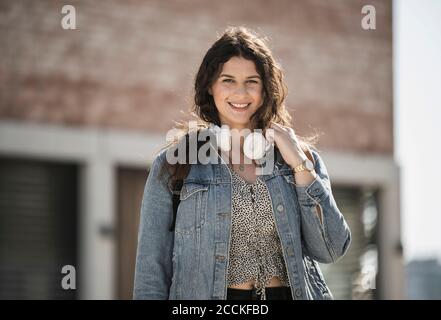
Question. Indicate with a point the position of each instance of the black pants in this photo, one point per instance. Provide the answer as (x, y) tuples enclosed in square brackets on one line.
[(272, 293)]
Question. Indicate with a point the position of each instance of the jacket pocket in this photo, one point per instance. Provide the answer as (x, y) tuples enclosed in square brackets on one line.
[(192, 207)]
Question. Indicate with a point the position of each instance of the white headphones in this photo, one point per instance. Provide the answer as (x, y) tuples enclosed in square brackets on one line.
[(255, 145)]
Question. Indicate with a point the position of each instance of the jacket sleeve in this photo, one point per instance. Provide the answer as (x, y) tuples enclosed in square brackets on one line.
[(153, 270), (327, 238)]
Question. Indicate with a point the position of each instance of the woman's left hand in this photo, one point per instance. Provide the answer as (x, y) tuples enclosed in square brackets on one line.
[(287, 142)]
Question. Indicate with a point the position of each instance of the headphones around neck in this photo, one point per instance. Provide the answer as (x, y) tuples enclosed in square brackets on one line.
[(255, 145)]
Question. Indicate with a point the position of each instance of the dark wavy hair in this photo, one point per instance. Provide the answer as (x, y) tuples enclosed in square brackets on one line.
[(242, 42), (236, 42)]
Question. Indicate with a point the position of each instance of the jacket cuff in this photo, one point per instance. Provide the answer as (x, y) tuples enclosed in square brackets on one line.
[(312, 194)]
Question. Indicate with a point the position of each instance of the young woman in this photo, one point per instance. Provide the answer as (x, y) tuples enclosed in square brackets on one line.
[(238, 235)]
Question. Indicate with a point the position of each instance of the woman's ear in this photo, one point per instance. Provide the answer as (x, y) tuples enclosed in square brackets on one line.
[(210, 92)]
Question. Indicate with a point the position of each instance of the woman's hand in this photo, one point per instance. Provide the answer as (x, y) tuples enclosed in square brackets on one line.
[(287, 142), (291, 150)]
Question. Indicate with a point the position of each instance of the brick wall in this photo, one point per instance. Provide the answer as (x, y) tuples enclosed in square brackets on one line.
[(131, 64)]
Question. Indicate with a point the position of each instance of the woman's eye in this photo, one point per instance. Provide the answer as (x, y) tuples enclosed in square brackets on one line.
[(231, 80)]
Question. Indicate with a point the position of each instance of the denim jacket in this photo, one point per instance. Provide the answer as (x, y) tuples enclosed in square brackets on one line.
[(191, 262)]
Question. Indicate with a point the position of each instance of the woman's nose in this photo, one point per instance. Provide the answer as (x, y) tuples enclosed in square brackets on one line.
[(241, 90)]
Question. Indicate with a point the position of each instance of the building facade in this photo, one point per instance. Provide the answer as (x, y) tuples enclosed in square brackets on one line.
[(84, 111)]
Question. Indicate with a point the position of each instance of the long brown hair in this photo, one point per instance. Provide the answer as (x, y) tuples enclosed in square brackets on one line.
[(245, 43)]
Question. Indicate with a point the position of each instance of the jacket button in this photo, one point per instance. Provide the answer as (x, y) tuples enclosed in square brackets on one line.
[(298, 293), (280, 207), (220, 258)]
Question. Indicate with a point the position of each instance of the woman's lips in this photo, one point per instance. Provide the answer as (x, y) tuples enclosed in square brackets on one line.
[(239, 107)]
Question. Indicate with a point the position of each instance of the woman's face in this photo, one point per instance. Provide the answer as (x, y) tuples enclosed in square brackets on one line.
[(237, 92)]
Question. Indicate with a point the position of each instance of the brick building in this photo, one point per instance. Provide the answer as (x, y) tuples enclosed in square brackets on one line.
[(83, 112)]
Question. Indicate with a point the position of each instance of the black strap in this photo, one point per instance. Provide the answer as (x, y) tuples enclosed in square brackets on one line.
[(178, 184), (176, 199)]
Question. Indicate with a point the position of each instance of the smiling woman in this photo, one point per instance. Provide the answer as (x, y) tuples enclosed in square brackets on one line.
[(236, 235), (237, 92)]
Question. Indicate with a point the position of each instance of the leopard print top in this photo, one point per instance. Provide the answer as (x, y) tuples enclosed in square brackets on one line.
[(255, 249)]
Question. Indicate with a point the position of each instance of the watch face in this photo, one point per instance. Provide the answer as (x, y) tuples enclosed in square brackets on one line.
[(309, 165)]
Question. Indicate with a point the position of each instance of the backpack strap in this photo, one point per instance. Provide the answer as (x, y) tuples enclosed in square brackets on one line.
[(176, 199), (178, 185)]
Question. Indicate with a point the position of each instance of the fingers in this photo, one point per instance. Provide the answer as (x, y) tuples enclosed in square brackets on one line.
[(276, 126), (285, 130), (279, 127)]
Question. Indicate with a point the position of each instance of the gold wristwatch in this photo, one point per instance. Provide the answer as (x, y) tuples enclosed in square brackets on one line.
[(306, 165)]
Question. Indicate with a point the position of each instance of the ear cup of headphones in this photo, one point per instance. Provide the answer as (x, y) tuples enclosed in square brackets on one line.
[(223, 136), (255, 146)]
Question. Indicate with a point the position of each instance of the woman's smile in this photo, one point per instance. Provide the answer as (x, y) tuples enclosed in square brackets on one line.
[(239, 107), (237, 92)]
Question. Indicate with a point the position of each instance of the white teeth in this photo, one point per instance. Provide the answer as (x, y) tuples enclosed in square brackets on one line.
[(237, 105)]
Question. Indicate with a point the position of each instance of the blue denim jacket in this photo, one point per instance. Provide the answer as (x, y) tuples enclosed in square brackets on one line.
[(191, 262)]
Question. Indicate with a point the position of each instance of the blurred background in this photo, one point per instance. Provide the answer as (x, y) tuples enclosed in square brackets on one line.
[(83, 112)]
